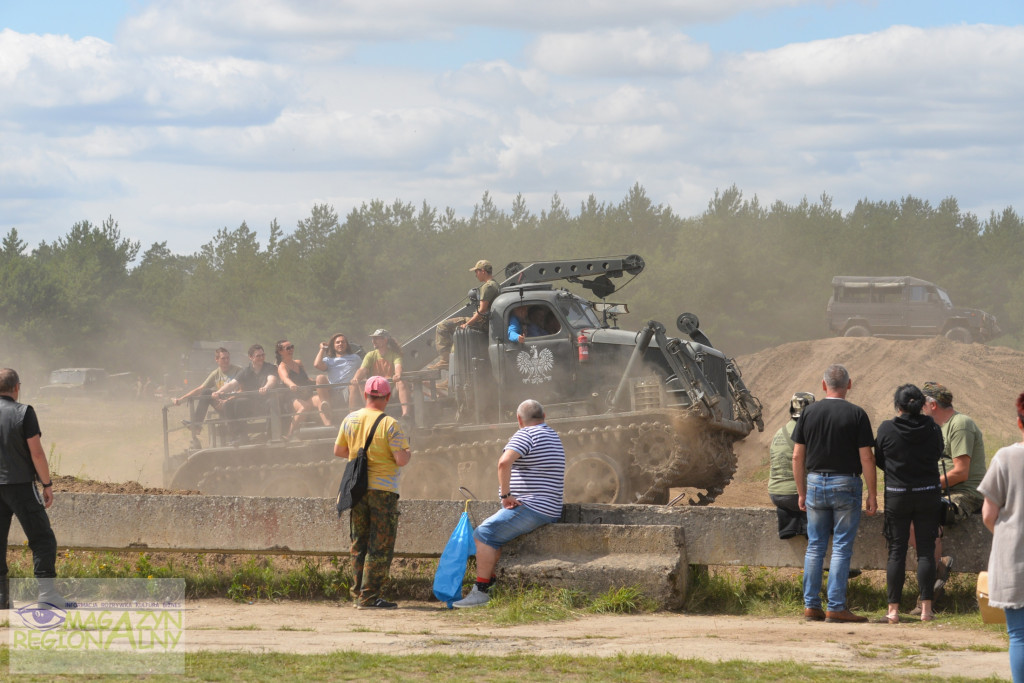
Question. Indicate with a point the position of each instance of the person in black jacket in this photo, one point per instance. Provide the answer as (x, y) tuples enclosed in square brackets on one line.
[(907, 449)]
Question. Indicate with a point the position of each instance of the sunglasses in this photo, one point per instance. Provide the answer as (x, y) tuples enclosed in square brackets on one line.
[(288, 348)]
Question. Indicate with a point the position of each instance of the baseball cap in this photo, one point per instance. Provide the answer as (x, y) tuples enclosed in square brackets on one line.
[(482, 264), (377, 387), (940, 393), (800, 400), (381, 332)]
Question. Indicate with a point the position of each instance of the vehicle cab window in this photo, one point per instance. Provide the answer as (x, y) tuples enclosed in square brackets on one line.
[(578, 313)]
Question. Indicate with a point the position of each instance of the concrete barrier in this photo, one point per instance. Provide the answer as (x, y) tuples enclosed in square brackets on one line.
[(594, 547), (594, 558)]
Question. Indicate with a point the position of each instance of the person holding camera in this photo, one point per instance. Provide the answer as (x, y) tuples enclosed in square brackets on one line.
[(907, 449)]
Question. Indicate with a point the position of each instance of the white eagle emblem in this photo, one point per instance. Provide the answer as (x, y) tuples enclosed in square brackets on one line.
[(535, 364)]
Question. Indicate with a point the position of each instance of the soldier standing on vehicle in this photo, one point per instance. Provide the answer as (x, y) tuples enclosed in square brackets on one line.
[(478, 321), (833, 440), (781, 485), (963, 455), (22, 463), (373, 521)]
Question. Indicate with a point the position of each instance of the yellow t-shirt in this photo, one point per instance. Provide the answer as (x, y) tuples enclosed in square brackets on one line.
[(382, 469)]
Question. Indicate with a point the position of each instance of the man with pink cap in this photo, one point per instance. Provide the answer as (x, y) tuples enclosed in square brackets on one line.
[(373, 521)]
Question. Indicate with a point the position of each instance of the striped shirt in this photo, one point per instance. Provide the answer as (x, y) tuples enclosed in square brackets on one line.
[(538, 475)]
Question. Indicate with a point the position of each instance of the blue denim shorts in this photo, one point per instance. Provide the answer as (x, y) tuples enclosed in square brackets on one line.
[(504, 525)]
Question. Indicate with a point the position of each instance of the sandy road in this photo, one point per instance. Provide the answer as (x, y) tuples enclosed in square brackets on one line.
[(415, 628)]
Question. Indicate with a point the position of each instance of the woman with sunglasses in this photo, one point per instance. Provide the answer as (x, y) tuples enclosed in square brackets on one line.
[(294, 376)]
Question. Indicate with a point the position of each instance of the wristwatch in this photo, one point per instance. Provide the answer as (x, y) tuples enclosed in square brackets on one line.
[(46, 486), (505, 496)]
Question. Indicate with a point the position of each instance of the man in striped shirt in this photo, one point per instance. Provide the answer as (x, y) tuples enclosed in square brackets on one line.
[(531, 477)]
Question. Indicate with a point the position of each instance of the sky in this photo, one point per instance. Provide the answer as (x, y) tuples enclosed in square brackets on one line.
[(179, 118)]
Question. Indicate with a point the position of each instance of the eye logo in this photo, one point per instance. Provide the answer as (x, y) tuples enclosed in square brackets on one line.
[(42, 616)]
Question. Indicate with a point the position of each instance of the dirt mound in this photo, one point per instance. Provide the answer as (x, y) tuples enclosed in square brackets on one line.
[(76, 485), (985, 381)]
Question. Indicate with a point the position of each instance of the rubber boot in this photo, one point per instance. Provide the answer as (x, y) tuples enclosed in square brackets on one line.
[(48, 593), (5, 592)]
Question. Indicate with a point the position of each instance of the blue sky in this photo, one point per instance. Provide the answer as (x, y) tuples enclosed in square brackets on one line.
[(182, 117)]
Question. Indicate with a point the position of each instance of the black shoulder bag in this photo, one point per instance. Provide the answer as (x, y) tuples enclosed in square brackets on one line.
[(947, 510), (356, 480)]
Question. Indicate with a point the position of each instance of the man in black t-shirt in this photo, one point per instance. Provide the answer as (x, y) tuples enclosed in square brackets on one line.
[(22, 463), (833, 441), (258, 376)]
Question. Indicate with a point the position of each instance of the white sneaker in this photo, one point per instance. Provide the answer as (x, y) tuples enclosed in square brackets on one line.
[(475, 598)]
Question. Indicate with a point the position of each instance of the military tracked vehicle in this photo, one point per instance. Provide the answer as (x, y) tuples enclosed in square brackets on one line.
[(640, 412)]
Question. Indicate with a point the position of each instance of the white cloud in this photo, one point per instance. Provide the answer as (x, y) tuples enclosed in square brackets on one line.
[(55, 80), (617, 53), (333, 26)]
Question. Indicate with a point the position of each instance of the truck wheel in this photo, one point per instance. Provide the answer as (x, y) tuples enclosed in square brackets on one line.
[(857, 331), (594, 478), (960, 334)]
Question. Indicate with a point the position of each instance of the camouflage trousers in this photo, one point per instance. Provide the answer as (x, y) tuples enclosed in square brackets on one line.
[(966, 504), (445, 332), (373, 523)]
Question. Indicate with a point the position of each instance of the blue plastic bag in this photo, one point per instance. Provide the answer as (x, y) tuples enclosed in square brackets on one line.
[(451, 569)]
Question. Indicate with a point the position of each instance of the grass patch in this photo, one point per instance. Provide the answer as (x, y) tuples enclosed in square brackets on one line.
[(206, 666), (766, 591), (521, 603)]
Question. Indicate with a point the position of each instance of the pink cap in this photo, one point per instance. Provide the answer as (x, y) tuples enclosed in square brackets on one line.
[(377, 387)]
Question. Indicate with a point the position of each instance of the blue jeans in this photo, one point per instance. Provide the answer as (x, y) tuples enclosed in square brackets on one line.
[(504, 525), (833, 507), (1015, 627)]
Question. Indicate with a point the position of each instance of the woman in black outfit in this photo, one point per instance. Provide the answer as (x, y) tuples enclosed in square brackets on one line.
[(908, 449)]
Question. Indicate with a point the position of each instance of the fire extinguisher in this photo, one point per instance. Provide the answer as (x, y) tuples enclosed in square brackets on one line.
[(584, 347)]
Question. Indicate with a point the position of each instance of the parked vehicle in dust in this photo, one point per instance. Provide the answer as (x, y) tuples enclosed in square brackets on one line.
[(639, 412), (86, 383), (902, 307)]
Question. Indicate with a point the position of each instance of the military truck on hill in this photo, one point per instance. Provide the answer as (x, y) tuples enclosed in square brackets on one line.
[(639, 412), (902, 307)]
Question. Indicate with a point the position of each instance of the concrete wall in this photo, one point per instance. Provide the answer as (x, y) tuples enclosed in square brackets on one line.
[(726, 536), (594, 548)]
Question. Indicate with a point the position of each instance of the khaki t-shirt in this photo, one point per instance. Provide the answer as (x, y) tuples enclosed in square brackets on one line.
[(963, 437)]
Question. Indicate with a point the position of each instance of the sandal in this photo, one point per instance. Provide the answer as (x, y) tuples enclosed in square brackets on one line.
[(895, 619)]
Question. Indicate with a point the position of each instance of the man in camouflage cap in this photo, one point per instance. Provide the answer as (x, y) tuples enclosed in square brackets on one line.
[(963, 456), (781, 485)]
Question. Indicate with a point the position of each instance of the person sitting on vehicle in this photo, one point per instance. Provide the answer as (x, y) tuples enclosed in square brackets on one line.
[(223, 374), (384, 361), (341, 362), (488, 292), (517, 325), (537, 318), (293, 375), (260, 377)]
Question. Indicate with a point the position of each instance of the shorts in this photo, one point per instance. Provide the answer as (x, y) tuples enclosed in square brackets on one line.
[(504, 525)]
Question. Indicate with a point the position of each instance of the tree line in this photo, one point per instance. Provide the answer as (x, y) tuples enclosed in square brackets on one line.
[(757, 276)]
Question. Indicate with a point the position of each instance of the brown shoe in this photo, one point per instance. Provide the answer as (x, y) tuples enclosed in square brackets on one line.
[(814, 614), (844, 617), (439, 364)]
